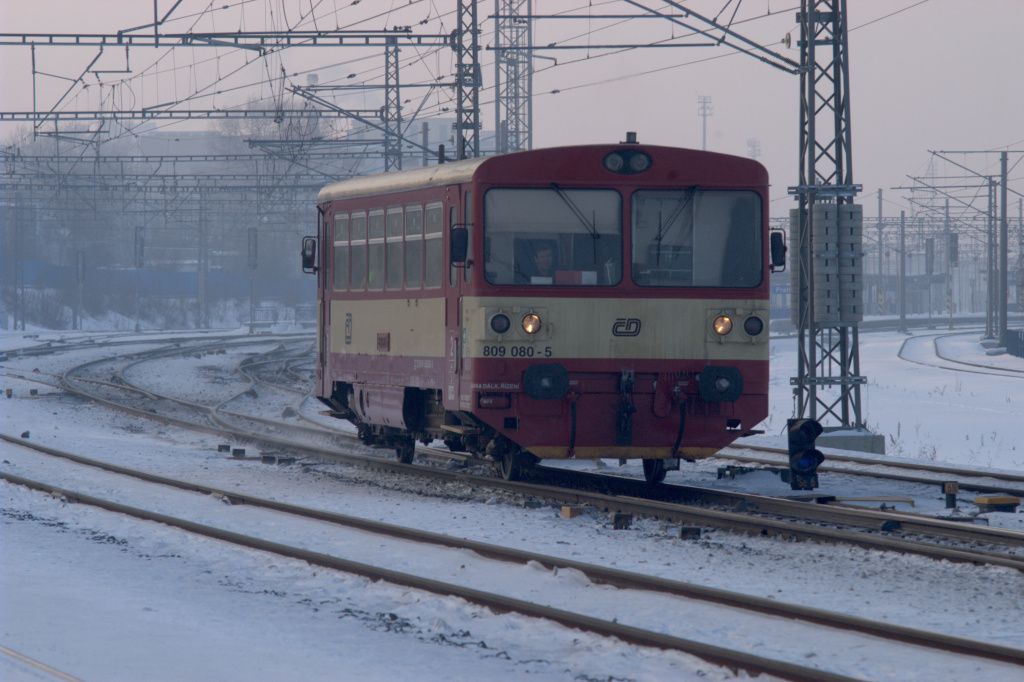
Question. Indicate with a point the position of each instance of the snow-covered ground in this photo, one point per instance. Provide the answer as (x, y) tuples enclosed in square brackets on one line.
[(933, 414), (104, 597)]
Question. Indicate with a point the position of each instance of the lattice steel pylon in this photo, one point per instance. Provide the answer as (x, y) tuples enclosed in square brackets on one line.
[(513, 75), (828, 381), (466, 43), (392, 109)]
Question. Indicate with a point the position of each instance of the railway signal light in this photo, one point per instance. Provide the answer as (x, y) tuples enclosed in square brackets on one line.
[(804, 458)]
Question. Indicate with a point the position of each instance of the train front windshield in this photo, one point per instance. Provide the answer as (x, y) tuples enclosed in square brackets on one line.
[(680, 237), (696, 238), (553, 236)]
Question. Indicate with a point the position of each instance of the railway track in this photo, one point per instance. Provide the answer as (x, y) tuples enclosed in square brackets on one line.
[(760, 515), (905, 471), (939, 354), (961, 365), (909, 523), (623, 580), (989, 481)]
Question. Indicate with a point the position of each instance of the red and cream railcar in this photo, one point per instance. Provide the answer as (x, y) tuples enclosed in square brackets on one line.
[(591, 301)]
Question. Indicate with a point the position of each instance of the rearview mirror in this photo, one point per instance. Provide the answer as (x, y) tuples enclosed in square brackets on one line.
[(777, 244), (458, 244), (309, 254)]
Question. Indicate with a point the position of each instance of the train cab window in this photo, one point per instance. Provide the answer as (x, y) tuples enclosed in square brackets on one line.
[(692, 237), (553, 236), (394, 249), (357, 269), (340, 252), (413, 247), (375, 269), (433, 224)]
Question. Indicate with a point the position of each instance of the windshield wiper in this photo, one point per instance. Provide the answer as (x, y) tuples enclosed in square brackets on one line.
[(663, 228), (576, 211)]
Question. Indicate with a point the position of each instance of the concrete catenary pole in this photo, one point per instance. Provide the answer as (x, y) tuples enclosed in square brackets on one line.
[(903, 271), (1004, 242), (990, 262), (949, 266), (880, 292)]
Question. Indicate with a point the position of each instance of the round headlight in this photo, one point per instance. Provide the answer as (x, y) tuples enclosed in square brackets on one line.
[(722, 325), (753, 326), (614, 162), (500, 323), (638, 163), (531, 323)]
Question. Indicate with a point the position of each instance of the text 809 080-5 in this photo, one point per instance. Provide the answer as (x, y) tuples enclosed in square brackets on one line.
[(522, 351)]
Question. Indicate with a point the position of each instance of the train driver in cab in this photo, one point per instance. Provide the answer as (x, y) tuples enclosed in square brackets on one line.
[(540, 268)]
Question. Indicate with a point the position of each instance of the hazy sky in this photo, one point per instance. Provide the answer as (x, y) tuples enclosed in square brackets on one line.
[(944, 74)]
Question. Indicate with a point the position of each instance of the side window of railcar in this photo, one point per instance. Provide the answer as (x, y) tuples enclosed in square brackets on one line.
[(358, 252), (435, 264), (691, 237), (468, 217), (413, 246), (340, 252), (553, 236), (394, 241), (375, 280), (453, 218)]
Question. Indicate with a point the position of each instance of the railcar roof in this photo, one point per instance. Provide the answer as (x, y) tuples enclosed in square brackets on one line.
[(450, 173), (712, 167)]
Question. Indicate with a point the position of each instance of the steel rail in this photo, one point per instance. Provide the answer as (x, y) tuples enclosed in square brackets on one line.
[(50, 347), (996, 373), (854, 459), (734, 660), (870, 519), (596, 573), (164, 351), (938, 354), (215, 415), (250, 363), (38, 666), (888, 475)]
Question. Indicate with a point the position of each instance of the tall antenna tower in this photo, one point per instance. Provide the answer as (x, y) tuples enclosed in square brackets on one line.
[(704, 110)]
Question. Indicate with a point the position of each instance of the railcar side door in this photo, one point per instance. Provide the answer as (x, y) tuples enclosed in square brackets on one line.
[(325, 277), (452, 302), (457, 395)]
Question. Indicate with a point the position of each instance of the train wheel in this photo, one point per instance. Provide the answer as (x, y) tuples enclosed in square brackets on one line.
[(514, 465), (510, 467), (654, 470), (406, 451)]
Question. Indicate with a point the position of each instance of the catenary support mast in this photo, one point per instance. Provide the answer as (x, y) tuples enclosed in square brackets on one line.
[(513, 75), (826, 227)]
